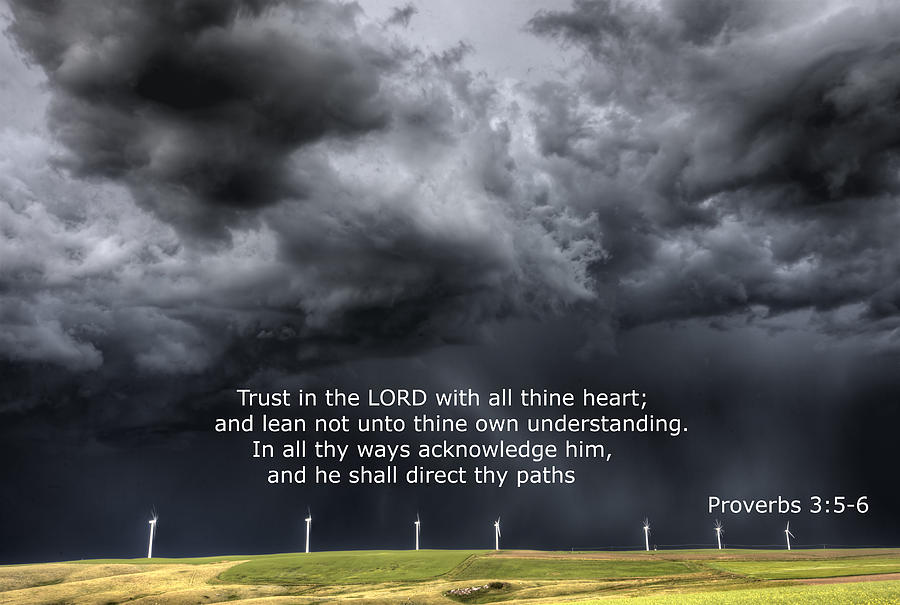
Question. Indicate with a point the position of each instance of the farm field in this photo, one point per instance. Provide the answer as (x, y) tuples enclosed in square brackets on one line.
[(870, 576)]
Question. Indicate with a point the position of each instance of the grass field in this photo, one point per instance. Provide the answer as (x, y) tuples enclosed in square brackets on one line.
[(794, 570), (447, 576), (863, 593), (569, 569), (351, 567)]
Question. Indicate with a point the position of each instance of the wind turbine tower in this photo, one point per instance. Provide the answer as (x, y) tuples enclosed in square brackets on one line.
[(788, 535), (497, 534), (646, 534), (152, 533), (308, 524), (719, 530), (418, 525)]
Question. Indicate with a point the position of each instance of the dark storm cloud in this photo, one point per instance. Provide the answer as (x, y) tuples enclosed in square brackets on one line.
[(708, 159), (202, 101), (739, 154), (416, 223)]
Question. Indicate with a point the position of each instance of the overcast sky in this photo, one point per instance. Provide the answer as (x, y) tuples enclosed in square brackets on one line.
[(695, 198)]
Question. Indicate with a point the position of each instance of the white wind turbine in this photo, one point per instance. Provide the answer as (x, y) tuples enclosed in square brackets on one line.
[(497, 534), (788, 535), (152, 533), (308, 524), (719, 530), (646, 533), (418, 525)]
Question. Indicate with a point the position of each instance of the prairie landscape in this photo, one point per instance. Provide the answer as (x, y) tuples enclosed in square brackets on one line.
[(738, 577)]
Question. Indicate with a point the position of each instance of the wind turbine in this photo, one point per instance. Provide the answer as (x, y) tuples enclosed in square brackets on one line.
[(646, 533), (788, 535), (497, 534), (417, 524), (152, 532), (308, 523), (719, 530)]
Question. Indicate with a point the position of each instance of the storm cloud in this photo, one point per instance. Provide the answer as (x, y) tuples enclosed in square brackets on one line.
[(287, 177), (297, 176), (204, 102), (742, 158)]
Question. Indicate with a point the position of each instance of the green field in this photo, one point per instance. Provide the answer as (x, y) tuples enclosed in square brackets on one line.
[(569, 569), (348, 567), (432, 577)]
